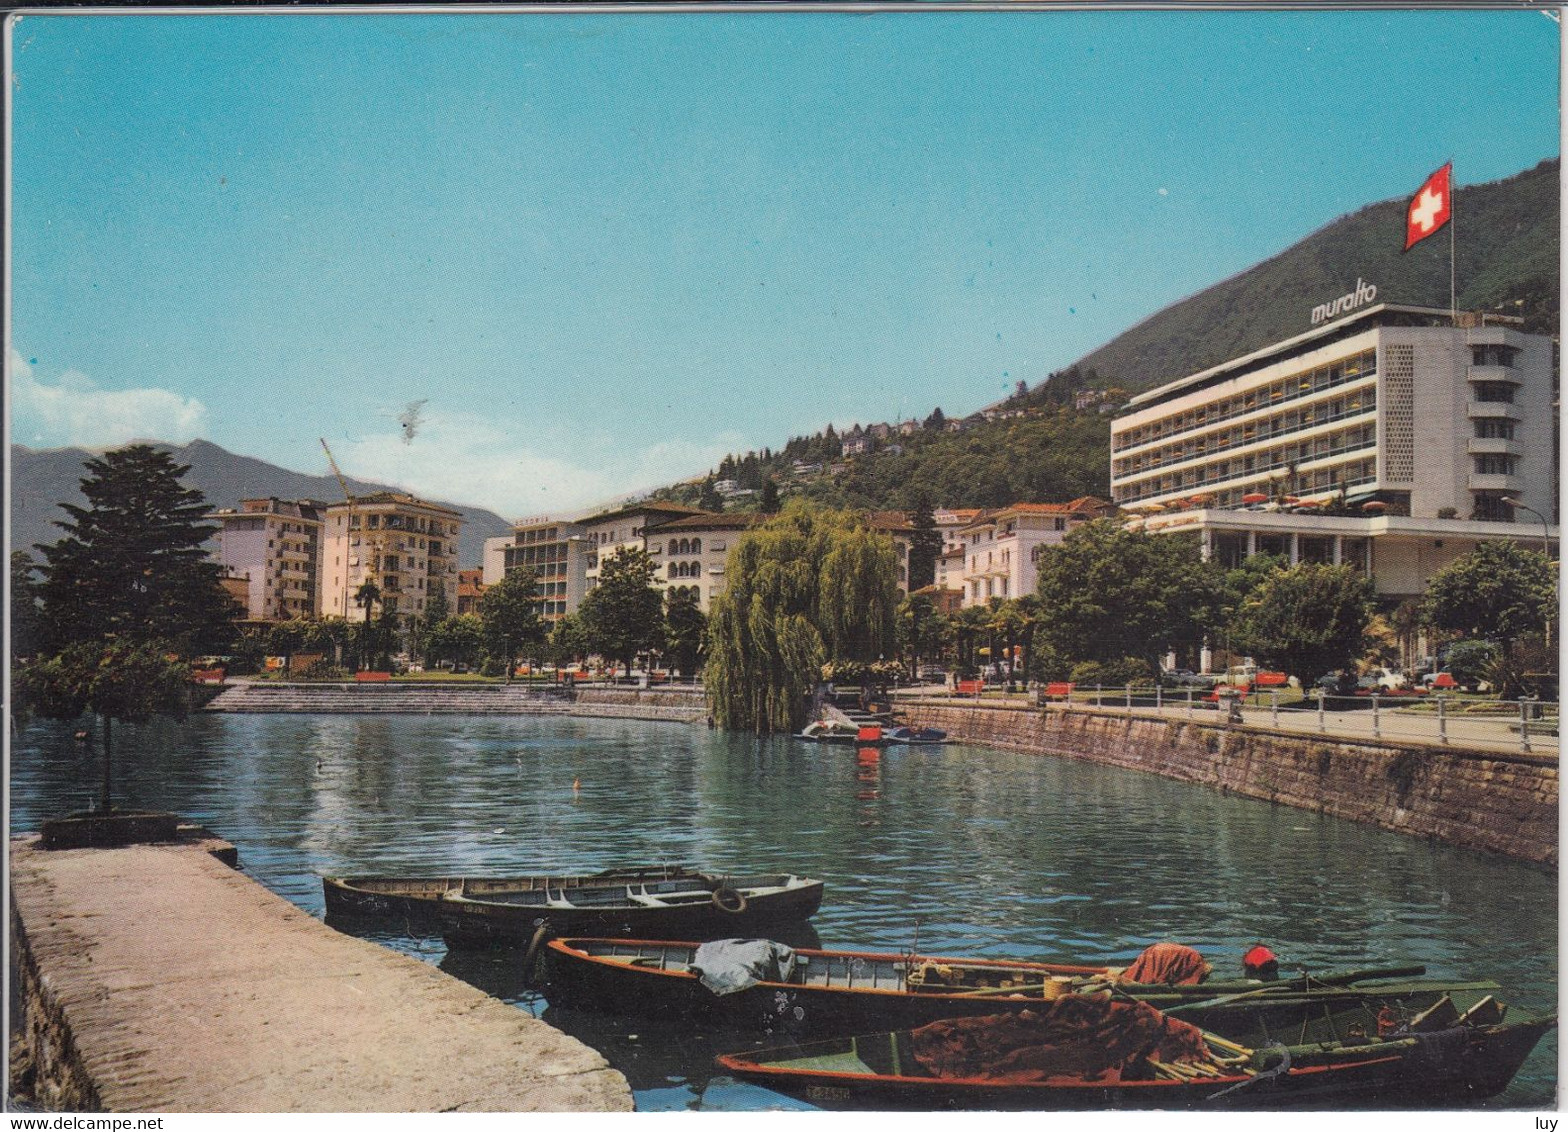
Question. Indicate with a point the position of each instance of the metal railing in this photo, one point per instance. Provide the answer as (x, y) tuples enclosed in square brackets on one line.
[(1528, 725)]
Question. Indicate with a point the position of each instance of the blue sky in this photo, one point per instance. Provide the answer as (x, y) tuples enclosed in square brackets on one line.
[(607, 248)]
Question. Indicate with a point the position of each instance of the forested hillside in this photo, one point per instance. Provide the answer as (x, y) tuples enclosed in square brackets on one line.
[(1506, 236)]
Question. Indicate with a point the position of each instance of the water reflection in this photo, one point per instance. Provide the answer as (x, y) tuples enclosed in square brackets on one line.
[(976, 852)]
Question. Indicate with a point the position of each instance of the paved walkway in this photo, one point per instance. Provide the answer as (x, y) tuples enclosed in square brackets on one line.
[(1394, 723), (188, 987)]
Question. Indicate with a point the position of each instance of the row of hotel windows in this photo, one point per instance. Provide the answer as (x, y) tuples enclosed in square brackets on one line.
[(685, 570), (1230, 549), (1341, 477), (548, 534), (1298, 385), (397, 523), (1296, 420), (1321, 447), (433, 546)]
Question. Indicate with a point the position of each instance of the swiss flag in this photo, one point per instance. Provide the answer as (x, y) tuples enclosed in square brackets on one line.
[(1430, 208)]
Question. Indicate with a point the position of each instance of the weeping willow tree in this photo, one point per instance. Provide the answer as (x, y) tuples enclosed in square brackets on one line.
[(806, 587)]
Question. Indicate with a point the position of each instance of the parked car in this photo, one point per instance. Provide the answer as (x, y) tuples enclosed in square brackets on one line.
[(933, 673), (1186, 678)]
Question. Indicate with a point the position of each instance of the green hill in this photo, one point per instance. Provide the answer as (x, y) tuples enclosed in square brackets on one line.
[(1506, 237)]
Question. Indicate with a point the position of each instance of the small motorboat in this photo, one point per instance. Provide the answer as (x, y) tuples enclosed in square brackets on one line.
[(1092, 1051), (475, 911), (928, 736)]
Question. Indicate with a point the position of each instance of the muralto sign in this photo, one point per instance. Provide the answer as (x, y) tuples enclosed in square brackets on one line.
[(1363, 294)]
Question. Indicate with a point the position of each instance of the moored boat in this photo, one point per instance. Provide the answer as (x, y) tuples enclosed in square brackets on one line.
[(1091, 1052), (918, 736), (477, 911), (843, 732), (819, 991)]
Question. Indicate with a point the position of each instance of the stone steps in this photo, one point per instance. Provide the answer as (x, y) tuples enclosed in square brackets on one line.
[(414, 699)]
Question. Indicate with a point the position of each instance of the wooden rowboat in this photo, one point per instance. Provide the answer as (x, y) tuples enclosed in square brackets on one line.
[(835, 992), (945, 1065), (478, 911)]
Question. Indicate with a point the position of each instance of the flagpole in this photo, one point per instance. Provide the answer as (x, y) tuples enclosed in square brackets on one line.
[(1453, 216)]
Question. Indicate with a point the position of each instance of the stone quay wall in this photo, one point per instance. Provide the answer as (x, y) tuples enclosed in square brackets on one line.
[(679, 705), (1496, 802)]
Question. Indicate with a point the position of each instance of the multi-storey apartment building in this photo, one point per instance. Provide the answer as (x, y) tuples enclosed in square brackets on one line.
[(274, 545), (406, 546), (1001, 549), (1395, 438), (689, 553), (556, 550)]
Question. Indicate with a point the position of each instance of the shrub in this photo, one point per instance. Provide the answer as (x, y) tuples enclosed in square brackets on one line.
[(1112, 673)]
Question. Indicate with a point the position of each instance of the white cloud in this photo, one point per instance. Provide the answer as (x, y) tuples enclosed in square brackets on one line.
[(75, 411), (463, 457)]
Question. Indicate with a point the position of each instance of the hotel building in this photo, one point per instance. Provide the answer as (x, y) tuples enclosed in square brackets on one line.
[(1000, 550), (1395, 439), (406, 546), (274, 547)]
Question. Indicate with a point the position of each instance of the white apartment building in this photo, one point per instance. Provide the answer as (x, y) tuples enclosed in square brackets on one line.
[(406, 546), (275, 546), (1394, 438), (689, 553), (1001, 549)]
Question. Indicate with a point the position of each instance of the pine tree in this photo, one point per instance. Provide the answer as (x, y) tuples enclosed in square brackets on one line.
[(770, 497), (925, 544), (131, 566)]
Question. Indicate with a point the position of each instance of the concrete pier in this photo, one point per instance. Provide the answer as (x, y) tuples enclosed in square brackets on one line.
[(155, 978)]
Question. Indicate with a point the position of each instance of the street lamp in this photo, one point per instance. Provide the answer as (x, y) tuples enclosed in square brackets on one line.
[(1546, 536)]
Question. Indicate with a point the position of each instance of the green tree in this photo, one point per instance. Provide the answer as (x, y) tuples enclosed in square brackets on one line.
[(770, 497), (925, 543), (624, 613), (26, 613), (1499, 591), (807, 586), (131, 565), (119, 681), (1309, 619), (568, 643), (509, 612), (685, 630), (459, 639), (709, 499), (1110, 593), (437, 607), (922, 632)]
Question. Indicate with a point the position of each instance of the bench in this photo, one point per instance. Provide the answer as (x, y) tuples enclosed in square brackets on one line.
[(367, 677), (969, 687), (1056, 690)]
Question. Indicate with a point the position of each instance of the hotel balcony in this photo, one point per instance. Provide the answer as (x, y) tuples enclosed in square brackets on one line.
[(1503, 483), (1495, 373), (1493, 446), (1497, 410)]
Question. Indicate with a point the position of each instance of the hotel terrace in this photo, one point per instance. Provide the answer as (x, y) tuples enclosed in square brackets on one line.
[(1395, 439)]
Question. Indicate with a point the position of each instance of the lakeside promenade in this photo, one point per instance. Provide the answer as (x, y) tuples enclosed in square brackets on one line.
[(156, 978), (1395, 721)]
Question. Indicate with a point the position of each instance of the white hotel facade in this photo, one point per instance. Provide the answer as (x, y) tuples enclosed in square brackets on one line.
[(1394, 438)]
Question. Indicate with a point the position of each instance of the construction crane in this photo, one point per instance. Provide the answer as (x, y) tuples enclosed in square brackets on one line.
[(348, 497)]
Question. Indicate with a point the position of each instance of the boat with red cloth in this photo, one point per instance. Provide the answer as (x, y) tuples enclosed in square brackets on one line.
[(1084, 1051), (815, 991)]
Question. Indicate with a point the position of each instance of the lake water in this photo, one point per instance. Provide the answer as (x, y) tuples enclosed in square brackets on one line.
[(961, 849)]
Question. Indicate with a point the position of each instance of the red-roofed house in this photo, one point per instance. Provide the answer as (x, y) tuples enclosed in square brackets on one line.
[(1001, 548)]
